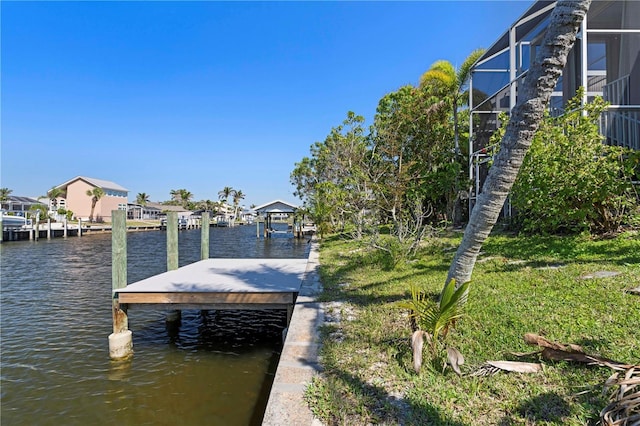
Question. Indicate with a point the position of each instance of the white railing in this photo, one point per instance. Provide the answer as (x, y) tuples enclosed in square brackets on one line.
[(620, 125), (617, 92)]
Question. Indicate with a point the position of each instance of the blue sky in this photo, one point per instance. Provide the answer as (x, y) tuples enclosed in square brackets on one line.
[(201, 95)]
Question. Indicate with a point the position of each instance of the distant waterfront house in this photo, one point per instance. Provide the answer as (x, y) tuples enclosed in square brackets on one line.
[(277, 210), (248, 216), (140, 212), (75, 198), (605, 61), (163, 209), (19, 206)]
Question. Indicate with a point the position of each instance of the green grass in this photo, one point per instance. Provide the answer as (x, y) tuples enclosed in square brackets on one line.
[(520, 285)]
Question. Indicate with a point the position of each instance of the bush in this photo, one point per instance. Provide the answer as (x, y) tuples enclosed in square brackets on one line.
[(570, 182)]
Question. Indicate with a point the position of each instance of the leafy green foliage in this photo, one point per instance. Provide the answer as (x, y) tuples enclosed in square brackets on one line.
[(40, 210), (436, 319), (570, 181), (334, 182)]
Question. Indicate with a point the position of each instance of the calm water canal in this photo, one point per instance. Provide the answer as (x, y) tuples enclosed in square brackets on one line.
[(56, 317)]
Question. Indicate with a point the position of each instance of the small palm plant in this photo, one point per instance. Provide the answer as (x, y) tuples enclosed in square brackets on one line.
[(433, 321)]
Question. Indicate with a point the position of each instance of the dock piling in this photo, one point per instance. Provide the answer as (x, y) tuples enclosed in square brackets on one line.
[(121, 340), (204, 236), (173, 317)]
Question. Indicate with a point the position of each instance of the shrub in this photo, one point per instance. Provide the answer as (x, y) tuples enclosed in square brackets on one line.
[(570, 182)]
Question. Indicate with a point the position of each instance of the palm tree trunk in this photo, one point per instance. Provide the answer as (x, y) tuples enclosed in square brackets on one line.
[(525, 118), (93, 207)]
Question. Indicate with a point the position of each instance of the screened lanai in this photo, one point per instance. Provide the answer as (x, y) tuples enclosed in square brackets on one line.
[(605, 60)]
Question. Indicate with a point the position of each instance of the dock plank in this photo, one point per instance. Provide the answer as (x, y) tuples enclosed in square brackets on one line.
[(221, 281)]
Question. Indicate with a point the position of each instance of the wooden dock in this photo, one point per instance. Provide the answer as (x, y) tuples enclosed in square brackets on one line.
[(207, 284), (221, 284)]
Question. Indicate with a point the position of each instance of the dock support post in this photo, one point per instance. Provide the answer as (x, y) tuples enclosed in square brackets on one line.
[(49, 229), (257, 228), (172, 257), (121, 340), (172, 241), (1, 230), (204, 236), (65, 229), (79, 227), (36, 234)]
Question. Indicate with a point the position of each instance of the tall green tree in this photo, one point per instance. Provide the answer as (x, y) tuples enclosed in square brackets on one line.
[(185, 197), (445, 79), (451, 82), (334, 182), (238, 196), (225, 193), (412, 149), (53, 194), (96, 194), (142, 198), (181, 197), (4, 194), (526, 116)]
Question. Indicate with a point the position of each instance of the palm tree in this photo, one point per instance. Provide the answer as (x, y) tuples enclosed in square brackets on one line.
[(53, 195), (4, 195), (142, 198), (237, 196), (95, 194), (225, 193), (449, 81), (526, 116), (186, 197)]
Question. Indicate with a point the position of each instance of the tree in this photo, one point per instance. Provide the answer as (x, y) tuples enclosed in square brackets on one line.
[(237, 196), (53, 195), (525, 119), (225, 193), (96, 194), (185, 197), (142, 198), (4, 195), (450, 82), (334, 182), (572, 182), (413, 167), (180, 197)]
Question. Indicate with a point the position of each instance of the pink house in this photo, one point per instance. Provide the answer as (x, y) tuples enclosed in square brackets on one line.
[(75, 198)]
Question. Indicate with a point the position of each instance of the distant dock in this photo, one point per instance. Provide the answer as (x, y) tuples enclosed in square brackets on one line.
[(61, 230)]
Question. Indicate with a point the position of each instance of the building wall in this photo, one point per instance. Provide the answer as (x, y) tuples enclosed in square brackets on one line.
[(80, 203)]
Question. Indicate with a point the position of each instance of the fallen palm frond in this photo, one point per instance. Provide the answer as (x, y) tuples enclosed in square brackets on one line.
[(494, 367), (554, 351), (455, 360), (624, 408)]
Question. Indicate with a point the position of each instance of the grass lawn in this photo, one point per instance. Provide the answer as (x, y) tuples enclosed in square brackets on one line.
[(519, 285)]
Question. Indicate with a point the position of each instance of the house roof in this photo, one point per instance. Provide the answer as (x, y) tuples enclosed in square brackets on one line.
[(276, 206), (524, 25), (99, 183), (167, 208)]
